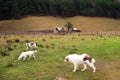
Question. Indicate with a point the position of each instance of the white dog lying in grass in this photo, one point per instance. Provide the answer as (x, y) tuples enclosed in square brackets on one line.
[(26, 54), (84, 59)]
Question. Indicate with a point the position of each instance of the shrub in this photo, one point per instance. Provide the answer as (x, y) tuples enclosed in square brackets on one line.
[(83, 39), (43, 40), (17, 40)]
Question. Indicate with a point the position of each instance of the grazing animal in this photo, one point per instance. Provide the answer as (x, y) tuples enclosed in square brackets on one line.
[(31, 45), (75, 30), (60, 30), (26, 54), (84, 59)]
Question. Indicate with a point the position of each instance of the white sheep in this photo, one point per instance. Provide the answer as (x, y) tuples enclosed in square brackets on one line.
[(26, 54)]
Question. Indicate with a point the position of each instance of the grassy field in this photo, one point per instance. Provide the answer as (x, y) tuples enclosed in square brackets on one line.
[(50, 64), (49, 22)]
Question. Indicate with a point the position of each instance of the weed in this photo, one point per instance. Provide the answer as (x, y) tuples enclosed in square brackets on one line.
[(9, 48), (47, 46), (9, 41), (51, 37), (4, 53), (17, 40), (9, 64), (73, 50), (40, 45), (43, 39), (27, 40)]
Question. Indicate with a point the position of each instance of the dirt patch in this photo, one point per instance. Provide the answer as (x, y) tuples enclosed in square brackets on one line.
[(109, 70), (106, 65)]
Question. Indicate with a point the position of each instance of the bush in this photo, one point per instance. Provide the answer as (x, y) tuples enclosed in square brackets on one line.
[(43, 39), (17, 40)]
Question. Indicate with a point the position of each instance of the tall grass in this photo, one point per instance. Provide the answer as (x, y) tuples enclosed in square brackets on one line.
[(50, 58)]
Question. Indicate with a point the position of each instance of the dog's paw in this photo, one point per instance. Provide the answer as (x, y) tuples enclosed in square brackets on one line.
[(94, 71), (82, 70), (74, 70)]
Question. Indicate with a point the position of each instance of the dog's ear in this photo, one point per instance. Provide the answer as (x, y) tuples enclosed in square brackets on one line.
[(66, 59)]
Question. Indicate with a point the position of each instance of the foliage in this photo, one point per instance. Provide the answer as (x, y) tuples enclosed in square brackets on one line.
[(69, 26), (65, 8)]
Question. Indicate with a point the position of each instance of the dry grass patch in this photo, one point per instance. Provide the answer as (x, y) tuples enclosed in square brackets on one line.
[(109, 70), (49, 22)]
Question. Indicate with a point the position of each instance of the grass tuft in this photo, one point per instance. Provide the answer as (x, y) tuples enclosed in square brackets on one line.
[(9, 64)]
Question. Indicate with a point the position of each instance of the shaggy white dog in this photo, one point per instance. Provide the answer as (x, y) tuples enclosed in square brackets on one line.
[(26, 54), (31, 45), (84, 59)]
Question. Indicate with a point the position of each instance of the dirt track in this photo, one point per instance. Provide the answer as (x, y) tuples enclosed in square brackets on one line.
[(49, 32)]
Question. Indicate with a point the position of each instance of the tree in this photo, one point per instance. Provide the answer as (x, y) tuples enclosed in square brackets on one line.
[(69, 26), (63, 8), (15, 11)]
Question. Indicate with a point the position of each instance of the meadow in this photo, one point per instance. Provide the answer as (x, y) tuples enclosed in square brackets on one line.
[(52, 49)]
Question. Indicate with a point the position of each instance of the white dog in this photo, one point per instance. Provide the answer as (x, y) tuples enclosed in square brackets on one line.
[(26, 54), (84, 59), (31, 45)]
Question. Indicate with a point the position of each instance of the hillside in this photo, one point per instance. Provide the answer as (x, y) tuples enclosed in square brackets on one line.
[(50, 23)]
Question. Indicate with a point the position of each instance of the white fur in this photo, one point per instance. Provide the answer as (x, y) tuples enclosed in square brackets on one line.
[(76, 59), (26, 54), (31, 45)]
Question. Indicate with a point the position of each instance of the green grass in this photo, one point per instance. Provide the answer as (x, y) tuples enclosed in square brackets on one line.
[(50, 58)]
